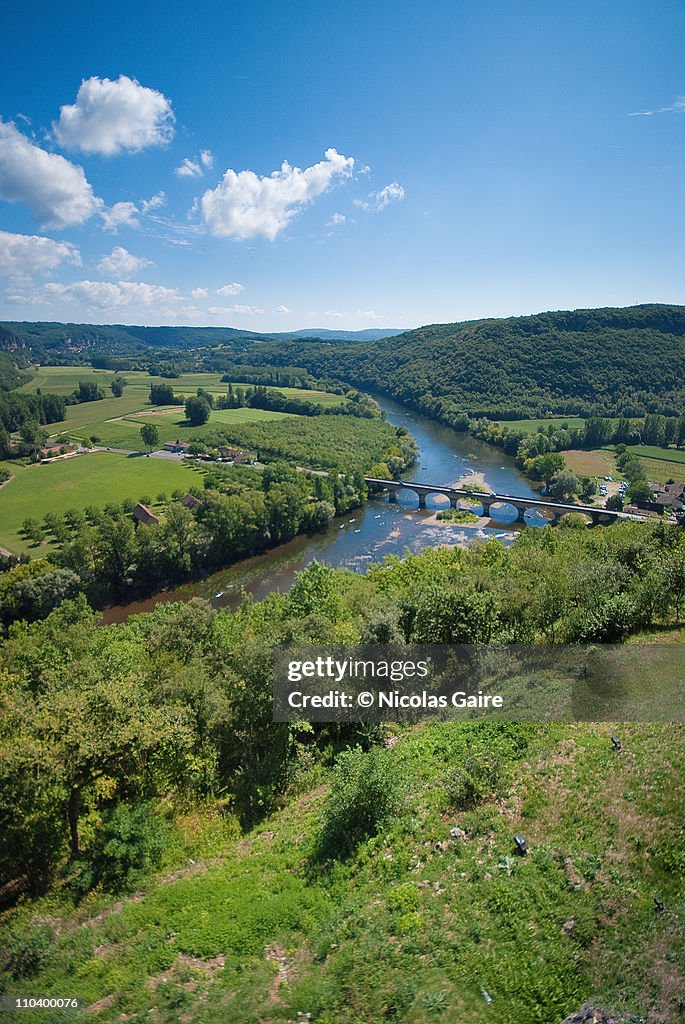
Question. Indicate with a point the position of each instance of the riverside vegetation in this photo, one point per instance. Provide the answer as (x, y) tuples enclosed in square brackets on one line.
[(181, 854)]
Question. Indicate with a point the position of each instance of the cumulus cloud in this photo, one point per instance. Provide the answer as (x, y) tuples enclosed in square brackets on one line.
[(677, 107), (195, 168), (199, 293), (240, 309), (56, 191), (377, 201), (231, 289), (122, 264), (247, 205), (23, 256), (282, 309), (104, 295), (110, 117), (121, 215), (337, 218)]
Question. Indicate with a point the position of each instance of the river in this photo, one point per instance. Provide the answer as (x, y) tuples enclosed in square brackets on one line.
[(367, 534)]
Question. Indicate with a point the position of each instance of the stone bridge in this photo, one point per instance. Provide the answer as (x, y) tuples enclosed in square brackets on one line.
[(553, 509)]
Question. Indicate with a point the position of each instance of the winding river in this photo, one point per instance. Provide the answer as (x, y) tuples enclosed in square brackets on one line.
[(367, 534)]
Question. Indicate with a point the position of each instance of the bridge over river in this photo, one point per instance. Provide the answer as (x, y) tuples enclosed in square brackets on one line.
[(549, 509)]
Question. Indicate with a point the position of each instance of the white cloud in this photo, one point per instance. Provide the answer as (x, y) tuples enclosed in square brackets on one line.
[(122, 264), (22, 256), (247, 205), (231, 289), (368, 314), (335, 313), (121, 215), (282, 309), (153, 203), (337, 218), (195, 168), (104, 295), (678, 107), (109, 117), (377, 201), (56, 191), (188, 169), (242, 310), (199, 293)]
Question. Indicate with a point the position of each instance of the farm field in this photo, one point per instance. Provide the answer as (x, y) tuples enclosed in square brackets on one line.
[(652, 451), (659, 470), (93, 479), (62, 380), (591, 463), (124, 432), (533, 425)]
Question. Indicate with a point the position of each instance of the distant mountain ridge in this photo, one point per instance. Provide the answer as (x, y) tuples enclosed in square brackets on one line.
[(15, 334), (369, 334)]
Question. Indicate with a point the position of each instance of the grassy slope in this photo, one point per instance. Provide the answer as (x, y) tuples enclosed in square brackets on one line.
[(417, 924), (93, 479)]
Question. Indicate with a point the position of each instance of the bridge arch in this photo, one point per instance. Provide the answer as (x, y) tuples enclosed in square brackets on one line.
[(503, 512), (539, 517)]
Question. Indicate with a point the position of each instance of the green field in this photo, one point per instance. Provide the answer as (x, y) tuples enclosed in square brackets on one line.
[(652, 451), (124, 432), (532, 426), (62, 380), (110, 419), (93, 479)]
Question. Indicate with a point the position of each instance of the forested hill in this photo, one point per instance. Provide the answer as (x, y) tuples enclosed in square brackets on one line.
[(606, 361)]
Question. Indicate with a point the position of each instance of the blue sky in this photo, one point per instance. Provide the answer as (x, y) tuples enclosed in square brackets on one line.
[(442, 161)]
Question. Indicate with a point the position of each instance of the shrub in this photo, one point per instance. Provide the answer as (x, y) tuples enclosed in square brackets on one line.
[(131, 841), (470, 782), (366, 792)]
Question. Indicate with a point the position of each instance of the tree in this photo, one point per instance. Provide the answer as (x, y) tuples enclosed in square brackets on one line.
[(564, 484), (117, 386), (639, 490), (197, 410), (162, 394), (149, 435), (88, 391), (614, 503)]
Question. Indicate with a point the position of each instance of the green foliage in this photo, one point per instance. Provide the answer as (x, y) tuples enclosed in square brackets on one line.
[(519, 367), (197, 410), (130, 841), (149, 435), (366, 793)]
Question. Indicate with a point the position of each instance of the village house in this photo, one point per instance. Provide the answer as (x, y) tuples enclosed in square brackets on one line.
[(235, 454), (179, 447), (190, 501), (143, 516), (52, 448), (667, 498)]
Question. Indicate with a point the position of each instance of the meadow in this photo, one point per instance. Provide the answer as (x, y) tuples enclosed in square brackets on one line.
[(110, 419), (124, 432), (62, 380), (75, 483), (531, 426)]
